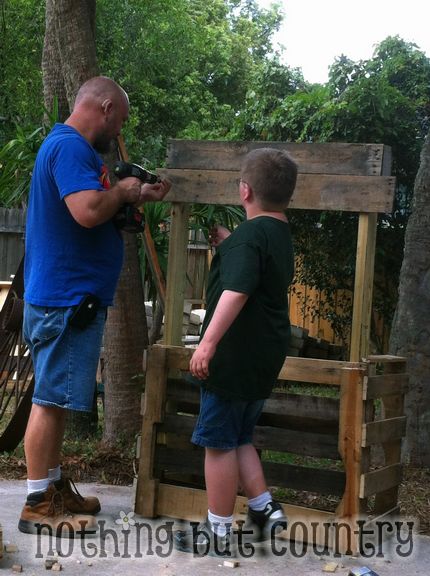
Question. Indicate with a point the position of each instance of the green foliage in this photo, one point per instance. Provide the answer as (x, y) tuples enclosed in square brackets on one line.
[(21, 42), (17, 159)]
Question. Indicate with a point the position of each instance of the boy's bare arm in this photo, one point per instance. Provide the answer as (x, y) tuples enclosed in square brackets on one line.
[(228, 308)]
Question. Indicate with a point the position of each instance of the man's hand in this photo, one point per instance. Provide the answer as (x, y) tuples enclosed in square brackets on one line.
[(154, 192), (199, 363)]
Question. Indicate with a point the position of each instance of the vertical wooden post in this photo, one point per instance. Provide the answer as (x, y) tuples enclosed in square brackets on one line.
[(363, 288), (155, 396), (350, 435), (176, 274)]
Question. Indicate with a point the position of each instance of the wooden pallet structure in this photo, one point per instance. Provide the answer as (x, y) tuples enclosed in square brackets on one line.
[(350, 408)]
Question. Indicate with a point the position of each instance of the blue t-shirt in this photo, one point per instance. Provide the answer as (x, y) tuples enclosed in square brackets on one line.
[(63, 260)]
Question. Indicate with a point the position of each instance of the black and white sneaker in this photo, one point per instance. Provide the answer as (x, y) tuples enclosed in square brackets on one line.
[(268, 522), (201, 541)]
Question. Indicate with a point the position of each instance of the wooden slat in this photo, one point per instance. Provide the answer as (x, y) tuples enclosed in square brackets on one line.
[(309, 370), (191, 504), (315, 371), (282, 475), (317, 158), (313, 191), (305, 443), (380, 480), (386, 359), (383, 431), (392, 407), (385, 385), (281, 407)]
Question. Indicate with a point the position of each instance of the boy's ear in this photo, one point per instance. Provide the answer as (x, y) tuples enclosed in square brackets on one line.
[(246, 191)]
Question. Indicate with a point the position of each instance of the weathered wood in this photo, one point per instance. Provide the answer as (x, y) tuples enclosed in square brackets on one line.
[(312, 192), (392, 407), (363, 288), (385, 385), (383, 431), (350, 428), (155, 390), (176, 274), (380, 480), (305, 443), (317, 158), (281, 409), (309, 370)]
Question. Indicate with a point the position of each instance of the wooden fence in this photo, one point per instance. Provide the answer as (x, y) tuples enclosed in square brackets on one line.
[(12, 227)]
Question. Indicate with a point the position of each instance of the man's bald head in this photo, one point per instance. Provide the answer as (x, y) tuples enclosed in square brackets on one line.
[(100, 110), (98, 89)]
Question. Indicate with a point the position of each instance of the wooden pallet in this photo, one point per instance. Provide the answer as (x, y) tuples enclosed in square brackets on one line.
[(338, 428)]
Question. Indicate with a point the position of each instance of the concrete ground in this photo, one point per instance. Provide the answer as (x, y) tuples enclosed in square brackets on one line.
[(126, 552)]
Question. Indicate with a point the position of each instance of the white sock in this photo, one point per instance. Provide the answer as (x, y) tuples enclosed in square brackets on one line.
[(259, 502), (54, 474), (37, 485), (220, 524)]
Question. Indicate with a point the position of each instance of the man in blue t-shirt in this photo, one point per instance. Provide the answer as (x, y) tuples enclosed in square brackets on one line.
[(73, 258)]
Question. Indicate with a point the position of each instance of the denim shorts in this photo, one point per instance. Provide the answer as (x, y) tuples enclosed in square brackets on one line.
[(65, 358), (225, 424)]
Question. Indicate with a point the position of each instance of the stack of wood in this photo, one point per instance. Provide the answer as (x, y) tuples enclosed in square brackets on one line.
[(305, 346), (192, 321)]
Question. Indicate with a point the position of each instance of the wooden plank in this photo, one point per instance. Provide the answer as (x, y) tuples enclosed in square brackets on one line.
[(176, 274), (310, 370), (317, 158), (392, 407), (282, 475), (313, 191), (380, 480), (363, 287), (281, 407), (315, 371), (305, 443), (191, 504), (387, 359), (383, 431), (385, 385), (350, 428), (155, 391)]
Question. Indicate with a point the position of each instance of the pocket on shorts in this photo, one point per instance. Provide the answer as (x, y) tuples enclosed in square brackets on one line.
[(43, 323)]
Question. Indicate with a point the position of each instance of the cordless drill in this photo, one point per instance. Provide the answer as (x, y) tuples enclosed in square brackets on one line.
[(129, 218)]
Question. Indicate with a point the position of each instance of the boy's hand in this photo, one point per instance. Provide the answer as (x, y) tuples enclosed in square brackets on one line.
[(218, 234), (199, 363)]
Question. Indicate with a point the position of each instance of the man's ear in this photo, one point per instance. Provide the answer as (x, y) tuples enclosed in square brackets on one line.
[(106, 106)]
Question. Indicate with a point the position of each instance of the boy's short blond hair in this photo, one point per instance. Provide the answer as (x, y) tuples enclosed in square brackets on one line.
[(272, 175)]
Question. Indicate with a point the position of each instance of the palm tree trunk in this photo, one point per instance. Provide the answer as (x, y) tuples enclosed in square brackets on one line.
[(410, 336)]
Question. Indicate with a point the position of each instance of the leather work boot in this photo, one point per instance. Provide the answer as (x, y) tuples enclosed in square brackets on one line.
[(46, 512), (73, 501)]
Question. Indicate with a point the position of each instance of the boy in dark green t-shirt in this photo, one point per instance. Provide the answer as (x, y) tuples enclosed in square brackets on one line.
[(244, 343)]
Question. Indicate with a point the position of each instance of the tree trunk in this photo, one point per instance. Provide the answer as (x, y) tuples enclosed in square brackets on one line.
[(410, 335), (126, 337), (69, 59)]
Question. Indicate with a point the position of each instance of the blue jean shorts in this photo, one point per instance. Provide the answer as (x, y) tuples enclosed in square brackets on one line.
[(64, 358), (225, 424)]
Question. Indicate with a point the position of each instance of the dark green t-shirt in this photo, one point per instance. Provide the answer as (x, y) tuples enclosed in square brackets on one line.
[(256, 259)]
